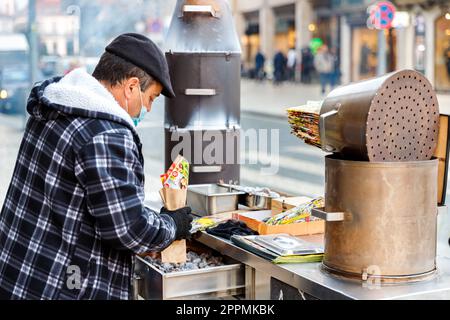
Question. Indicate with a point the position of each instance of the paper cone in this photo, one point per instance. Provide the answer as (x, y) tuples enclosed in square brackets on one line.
[(174, 199), (175, 253)]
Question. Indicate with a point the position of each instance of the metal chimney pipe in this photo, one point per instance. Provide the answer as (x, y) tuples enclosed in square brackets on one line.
[(204, 57)]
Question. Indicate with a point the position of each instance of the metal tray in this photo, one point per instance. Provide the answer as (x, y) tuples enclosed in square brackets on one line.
[(256, 202), (250, 200), (207, 283), (286, 245), (209, 199)]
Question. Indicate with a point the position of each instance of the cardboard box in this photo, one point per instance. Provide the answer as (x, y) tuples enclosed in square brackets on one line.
[(285, 203), (253, 220)]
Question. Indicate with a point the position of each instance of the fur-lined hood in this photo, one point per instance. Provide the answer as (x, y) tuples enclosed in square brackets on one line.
[(79, 94)]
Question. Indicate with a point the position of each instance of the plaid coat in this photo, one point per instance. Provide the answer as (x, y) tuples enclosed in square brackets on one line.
[(73, 216)]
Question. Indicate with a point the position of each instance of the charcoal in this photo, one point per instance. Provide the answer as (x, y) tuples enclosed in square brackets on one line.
[(194, 262)]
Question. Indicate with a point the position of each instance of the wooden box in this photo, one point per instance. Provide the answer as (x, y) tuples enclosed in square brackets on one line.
[(253, 220)]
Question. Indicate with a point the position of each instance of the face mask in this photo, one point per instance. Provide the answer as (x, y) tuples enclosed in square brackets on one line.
[(143, 112)]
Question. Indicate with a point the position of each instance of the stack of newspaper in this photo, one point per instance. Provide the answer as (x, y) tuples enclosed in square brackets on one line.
[(304, 121)]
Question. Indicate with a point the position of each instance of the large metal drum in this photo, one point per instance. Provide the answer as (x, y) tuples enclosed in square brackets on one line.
[(381, 219), (386, 119)]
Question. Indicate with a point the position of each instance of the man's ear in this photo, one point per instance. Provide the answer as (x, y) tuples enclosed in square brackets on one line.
[(130, 85)]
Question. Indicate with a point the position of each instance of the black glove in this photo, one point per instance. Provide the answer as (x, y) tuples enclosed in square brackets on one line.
[(183, 219)]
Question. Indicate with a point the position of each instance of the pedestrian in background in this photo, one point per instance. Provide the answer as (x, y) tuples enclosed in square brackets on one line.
[(447, 60), (279, 65), (336, 73), (291, 64), (324, 64), (260, 60), (307, 65), (365, 54)]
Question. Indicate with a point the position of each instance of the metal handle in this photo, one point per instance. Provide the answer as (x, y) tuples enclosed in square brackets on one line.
[(230, 187), (200, 92), (326, 147), (206, 169), (327, 216), (201, 9)]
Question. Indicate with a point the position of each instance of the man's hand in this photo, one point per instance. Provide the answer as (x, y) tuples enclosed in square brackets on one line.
[(183, 219)]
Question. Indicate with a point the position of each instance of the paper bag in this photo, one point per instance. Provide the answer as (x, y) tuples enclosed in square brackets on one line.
[(174, 199), (175, 253)]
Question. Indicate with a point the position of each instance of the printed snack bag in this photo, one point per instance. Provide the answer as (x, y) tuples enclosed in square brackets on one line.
[(174, 194)]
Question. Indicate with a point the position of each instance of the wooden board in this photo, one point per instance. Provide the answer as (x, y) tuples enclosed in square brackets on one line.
[(441, 154), (285, 203)]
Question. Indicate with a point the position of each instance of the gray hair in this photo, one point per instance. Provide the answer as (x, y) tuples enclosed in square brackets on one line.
[(114, 70)]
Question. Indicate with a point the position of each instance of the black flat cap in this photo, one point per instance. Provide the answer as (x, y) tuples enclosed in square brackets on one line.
[(145, 54)]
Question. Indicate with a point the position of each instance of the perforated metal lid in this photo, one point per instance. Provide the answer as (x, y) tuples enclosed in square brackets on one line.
[(403, 119)]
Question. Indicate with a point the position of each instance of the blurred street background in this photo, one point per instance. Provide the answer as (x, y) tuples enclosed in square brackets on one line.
[(281, 41)]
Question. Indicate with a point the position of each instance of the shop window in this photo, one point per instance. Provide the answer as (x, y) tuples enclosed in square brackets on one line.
[(419, 44), (55, 48), (365, 52), (322, 30), (250, 44), (70, 48), (250, 40), (284, 37), (442, 54), (284, 34)]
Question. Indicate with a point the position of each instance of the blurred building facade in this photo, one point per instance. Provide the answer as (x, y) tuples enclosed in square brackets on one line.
[(84, 27), (59, 35), (420, 38), (429, 36), (102, 20), (7, 12), (7, 7)]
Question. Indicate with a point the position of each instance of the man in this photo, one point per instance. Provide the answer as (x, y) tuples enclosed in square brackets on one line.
[(447, 60), (291, 63), (307, 65), (365, 54), (279, 65), (74, 217), (336, 72), (260, 60), (324, 64)]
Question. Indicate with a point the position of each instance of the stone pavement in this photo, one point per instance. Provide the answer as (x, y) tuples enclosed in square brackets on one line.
[(268, 99)]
